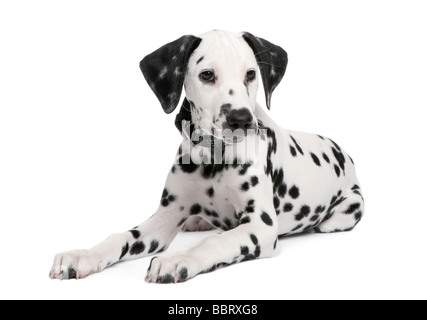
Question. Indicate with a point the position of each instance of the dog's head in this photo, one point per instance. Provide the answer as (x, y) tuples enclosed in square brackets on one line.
[(220, 72)]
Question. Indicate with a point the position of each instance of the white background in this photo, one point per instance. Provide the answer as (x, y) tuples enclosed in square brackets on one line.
[(80, 158)]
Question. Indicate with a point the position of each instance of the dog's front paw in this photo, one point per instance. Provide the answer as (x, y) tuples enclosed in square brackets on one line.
[(76, 264), (171, 269)]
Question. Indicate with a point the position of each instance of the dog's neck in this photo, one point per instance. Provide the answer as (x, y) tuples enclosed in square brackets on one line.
[(184, 115)]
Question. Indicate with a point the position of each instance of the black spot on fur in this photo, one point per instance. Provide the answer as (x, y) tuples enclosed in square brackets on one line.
[(326, 157), (293, 151), (200, 59), (272, 146), (273, 141), (320, 209), (244, 186), (216, 223), (277, 178), (314, 218), (257, 251), (269, 167), (211, 213), (297, 146), (254, 181), (244, 168), (353, 207), (276, 202), (210, 192), (244, 250), (282, 190), (235, 163), (228, 223), (211, 170), (214, 214), (165, 193), (335, 203), (288, 207), (297, 227), (340, 158), (153, 246), (183, 274), (337, 170), (189, 167), (167, 278), (245, 219), (137, 248), (266, 219), (135, 233), (72, 274), (254, 239), (125, 250), (294, 192), (167, 198), (357, 192), (195, 209), (315, 159), (250, 207), (225, 109), (304, 212)]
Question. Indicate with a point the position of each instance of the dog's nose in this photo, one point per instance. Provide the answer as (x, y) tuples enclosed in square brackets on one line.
[(239, 119)]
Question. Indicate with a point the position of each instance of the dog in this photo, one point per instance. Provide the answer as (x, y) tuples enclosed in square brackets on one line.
[(236, 169)]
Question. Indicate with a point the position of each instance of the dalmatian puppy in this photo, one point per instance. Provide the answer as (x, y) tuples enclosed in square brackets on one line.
[(236, 169)]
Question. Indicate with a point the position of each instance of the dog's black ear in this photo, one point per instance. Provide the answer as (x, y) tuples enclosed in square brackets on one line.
[(272, 61), (165, 69)]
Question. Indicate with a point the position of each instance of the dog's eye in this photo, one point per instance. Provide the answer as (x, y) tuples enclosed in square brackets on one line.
[(250, 75), (207, 76)]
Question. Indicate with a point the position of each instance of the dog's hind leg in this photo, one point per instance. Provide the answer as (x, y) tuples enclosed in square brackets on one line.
[(344, 213)]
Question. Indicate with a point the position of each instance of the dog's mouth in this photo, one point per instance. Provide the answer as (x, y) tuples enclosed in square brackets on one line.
[(206, 139), (214, 137)]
